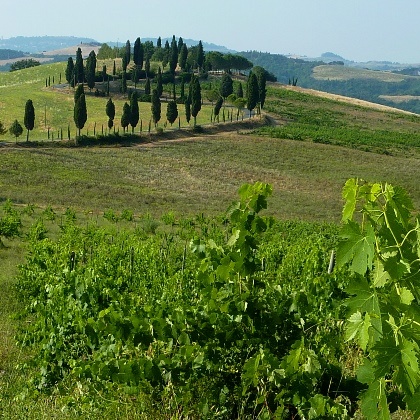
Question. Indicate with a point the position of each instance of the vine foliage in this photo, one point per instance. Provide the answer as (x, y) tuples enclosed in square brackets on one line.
[(381, 243)]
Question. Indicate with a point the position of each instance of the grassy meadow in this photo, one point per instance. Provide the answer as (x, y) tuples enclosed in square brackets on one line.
[(336, 72), (311, 148), (54, 105)]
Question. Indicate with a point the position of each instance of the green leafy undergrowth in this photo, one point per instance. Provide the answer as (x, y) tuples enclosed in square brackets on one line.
[(380, 241), (239, 321)]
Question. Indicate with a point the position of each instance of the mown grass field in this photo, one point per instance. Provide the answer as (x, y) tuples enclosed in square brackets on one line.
[(317, 144), (336, 72)]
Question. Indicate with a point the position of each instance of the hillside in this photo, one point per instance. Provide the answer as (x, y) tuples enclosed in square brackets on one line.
[(143, 293), (381, 87)]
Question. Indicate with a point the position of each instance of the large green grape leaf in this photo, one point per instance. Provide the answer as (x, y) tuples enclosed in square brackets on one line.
[(357, 328), (364, 299), (349, 194), (356, 247), (374, 403), (402, 356)]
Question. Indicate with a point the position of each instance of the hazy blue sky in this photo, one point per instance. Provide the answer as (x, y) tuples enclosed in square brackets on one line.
[(358, 30)]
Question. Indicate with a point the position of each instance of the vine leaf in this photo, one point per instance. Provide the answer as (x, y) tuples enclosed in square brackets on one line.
[(402, 357), (349, 194), (374, 403), (356, 247), (358, 327), (364, 300)]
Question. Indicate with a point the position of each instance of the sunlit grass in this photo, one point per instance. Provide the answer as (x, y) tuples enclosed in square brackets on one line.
[(54, 106)]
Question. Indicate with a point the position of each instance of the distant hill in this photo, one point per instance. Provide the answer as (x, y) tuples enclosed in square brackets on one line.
[(38, 44), (399, 89)]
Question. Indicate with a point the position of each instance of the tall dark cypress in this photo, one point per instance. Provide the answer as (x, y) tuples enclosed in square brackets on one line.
[(79, 70), (156, 106), (80, 112), (29, 119), (70, 71), (252, 92), (138, 53), (134, 111)]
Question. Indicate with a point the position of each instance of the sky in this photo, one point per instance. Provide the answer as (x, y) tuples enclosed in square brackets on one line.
[(358, 30)]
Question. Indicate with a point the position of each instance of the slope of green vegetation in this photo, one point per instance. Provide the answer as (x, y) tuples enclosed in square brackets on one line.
[(369, 85), (172, 307)]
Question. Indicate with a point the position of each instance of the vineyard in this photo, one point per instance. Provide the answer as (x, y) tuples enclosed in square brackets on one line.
[(238, 316), (128, 291)]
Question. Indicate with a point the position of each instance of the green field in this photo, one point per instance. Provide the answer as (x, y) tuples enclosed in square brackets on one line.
[(150, 197), (54, 105), (335, 72)]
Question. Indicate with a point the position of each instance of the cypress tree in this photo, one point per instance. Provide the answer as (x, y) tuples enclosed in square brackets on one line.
[(124, 82), (226, 87), (127, 52), (147, 66), (29, 119), (79, 71), (16, 129), (252, 92), (91, 70), (173, 56), (80, 112), (183, 54), (104, 73), (262, 82), (114, 69), (180, 44), (125, 117), (218, 106), (138, 53), (240, 91), (70, 71), (195, 98), (172, 112), (147, 87), (110, 112), (188, 110), (159, 84), (78, 92), (159, 42), (166, 53), (156, 106), (200, 56), (134, 111)]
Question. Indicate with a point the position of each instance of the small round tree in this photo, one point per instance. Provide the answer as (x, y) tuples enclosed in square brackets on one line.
[(16, 129)]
